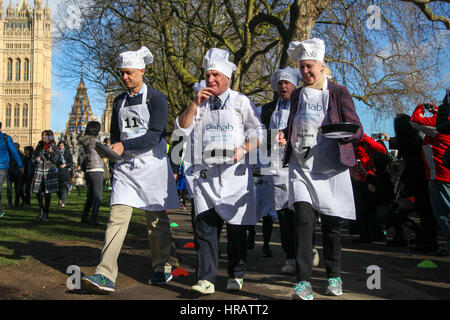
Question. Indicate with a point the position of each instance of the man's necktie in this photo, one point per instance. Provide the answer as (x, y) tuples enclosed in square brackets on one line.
[(217, 103)]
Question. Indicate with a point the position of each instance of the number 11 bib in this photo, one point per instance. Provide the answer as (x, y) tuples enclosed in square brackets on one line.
[(134, 120)]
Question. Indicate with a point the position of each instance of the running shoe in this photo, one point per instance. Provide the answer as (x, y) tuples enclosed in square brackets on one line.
[(97, 283), (316, 258), (159, 277), (234, 284), (334, 287), (204, 287), (303, 291), (289, 266)]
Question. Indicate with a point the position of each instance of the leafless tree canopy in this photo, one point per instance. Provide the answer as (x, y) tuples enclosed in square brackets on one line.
[(389, 66)]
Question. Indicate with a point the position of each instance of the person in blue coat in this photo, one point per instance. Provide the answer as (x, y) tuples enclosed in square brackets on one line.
[(7, 150)]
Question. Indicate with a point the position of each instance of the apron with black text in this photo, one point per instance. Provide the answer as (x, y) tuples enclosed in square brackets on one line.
[(144, 180), (219, 183), (315, 172)]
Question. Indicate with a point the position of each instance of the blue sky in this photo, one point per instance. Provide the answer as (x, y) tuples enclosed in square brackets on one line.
[(63, 93)]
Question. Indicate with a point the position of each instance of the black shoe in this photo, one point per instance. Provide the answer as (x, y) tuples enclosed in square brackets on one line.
[(267, 252)]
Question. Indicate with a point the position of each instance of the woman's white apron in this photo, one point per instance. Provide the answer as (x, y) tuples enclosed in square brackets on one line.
[(315, 172)]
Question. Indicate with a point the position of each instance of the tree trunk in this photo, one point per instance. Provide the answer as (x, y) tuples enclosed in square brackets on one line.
[(303, 17)]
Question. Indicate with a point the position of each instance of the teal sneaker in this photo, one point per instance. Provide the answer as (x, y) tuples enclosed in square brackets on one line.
[(159, 277), (97, 283), (303, 291), (334, 287)]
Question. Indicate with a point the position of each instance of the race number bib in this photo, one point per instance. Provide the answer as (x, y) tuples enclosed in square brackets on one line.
[(306, 142), (132, 123)]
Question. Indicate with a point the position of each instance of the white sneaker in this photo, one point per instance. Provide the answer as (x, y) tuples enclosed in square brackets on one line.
[(235, 284), (204, 287), (316, 258), (290, 266)]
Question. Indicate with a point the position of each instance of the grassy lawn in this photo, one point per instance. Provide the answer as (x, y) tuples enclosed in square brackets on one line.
[(20, 227)]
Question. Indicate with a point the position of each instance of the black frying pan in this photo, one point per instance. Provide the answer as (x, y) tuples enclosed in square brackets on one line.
[(105, 152), (339, 130)]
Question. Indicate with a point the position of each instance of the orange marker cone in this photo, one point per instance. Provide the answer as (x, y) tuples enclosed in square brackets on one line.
[(189, 245), (179, 272)]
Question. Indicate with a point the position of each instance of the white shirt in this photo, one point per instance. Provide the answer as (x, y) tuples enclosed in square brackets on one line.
[(237, 102)]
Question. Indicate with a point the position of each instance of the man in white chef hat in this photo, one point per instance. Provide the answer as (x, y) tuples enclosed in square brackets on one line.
[(143, 180), (319, 176), (226, 126)]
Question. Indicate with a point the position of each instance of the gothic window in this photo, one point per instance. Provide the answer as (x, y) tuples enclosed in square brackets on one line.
[(8, 116), (26, 70), (18, 69), (10, 69), (17, 116), (25, 116)]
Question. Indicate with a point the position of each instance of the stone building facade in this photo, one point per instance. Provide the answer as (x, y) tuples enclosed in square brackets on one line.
[(25, 70)]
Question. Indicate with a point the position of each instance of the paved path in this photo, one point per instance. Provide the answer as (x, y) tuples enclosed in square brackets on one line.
[(401, 279)]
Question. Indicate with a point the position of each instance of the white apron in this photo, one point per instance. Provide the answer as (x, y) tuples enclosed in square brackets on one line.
[(263, 199), (279, 178), (227, 187), (144, 180), (315, 172)]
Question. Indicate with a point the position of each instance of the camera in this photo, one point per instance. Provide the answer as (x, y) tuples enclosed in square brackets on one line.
[(428, 106), (376, 136)]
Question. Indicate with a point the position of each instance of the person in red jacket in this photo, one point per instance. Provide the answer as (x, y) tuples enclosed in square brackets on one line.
[(434, 145), (365, 203)]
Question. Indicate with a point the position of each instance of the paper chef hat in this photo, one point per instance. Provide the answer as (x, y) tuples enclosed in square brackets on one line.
[(217, 59), (287, 74), (136, 59), (199, 86), (311, 49)]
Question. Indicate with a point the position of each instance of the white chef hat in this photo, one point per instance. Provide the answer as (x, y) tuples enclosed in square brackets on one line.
[(217, 59), (199, 86), (136, 59), (311, 49), (287, 74)]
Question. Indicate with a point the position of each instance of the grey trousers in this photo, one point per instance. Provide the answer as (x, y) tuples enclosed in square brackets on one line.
[(3, 176)]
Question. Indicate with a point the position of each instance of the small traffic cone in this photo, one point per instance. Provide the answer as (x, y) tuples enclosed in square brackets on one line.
[(179, 272), (189, 245), (427, 264)]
